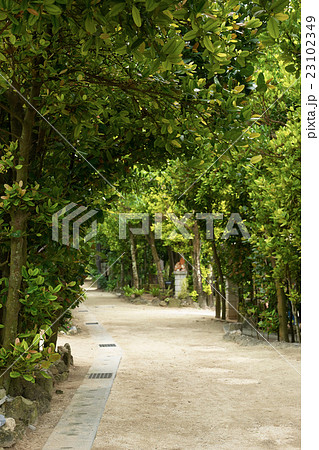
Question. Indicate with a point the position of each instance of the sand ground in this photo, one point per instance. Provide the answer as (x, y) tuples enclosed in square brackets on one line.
[(180, 385)]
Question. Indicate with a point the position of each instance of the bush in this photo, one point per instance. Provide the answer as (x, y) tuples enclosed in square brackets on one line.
[(129, 291), (194, 295), (155, 291)]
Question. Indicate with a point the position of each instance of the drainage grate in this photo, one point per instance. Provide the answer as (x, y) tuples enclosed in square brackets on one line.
[(107, 345), (100, 375), (92, 323)]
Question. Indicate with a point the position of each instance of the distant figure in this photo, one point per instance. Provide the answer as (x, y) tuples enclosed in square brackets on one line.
[(180, 266)]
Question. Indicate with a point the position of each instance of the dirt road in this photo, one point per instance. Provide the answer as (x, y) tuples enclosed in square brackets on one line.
[(181, 386)]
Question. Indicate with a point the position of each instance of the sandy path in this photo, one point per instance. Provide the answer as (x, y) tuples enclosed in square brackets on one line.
[(181, 386)]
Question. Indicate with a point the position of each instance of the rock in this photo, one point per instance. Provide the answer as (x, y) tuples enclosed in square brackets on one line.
[(32, 427), (174, 302), (2, 420), (2, 394), (22, 409), (140, 301), (162, 303), (61, 366), (10, 424), (40, 391), (188, 301), (65, 352), (73, 330), (156, 301), (10, 435), (233, 326), (7, 438), (60, 377)]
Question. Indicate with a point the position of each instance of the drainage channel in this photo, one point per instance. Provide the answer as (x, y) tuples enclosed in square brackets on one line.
[(79, 423)]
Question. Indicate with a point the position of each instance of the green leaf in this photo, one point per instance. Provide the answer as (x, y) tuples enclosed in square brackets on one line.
[(256, 159), (90, 25), (53, 9), (279, 5), (190, 35), (136, 16), (18, 167), (44, 374), (291, 68), (116, 9), (208, 44), (273, 28), (281, 16), (176, 143), (253, 23), (29, 378), (57, 288), (54, 357), (45, 364), (238, 89), (14, 374)]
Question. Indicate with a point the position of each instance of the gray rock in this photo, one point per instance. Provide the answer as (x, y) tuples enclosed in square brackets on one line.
[(188, 301), (10, 424), (61, 366), (174, 302), (9, 436), (156, 301), (73, 330), (22, 409), (40, 391), (140, 301), (162, 303), (66, 356), (233, 326)]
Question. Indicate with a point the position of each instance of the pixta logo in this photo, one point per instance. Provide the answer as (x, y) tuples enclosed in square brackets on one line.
[(235, 225), (76, 225)]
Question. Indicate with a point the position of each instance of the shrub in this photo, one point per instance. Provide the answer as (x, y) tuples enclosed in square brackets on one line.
[(155, 291)]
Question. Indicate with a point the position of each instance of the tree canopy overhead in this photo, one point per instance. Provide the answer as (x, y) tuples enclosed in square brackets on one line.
[(100, 99)]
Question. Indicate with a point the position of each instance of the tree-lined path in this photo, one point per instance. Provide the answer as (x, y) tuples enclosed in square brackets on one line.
[(181, 386)]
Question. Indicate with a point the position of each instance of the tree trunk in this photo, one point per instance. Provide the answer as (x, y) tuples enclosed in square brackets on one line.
[(217, 306), (98, 258), (17, 260), (294, 311), (197, 274), (220, 281), (281, 307), (171, 260), (136, 283), (18, 249), (210, 298), (122, 274), (282, 312), (151, 240)]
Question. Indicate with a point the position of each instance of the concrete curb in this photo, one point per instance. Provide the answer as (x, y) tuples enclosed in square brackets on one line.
[(79, 423)]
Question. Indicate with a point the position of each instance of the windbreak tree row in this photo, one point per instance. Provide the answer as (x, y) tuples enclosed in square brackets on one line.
[(92, 92)]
